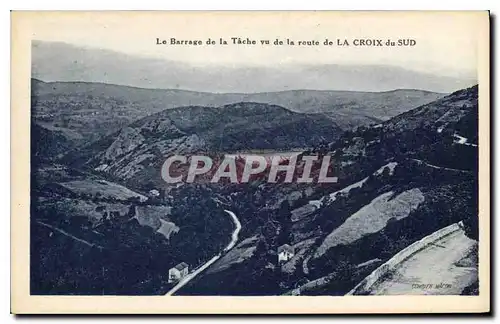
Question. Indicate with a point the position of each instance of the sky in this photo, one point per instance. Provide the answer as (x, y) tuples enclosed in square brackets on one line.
[(446, 43)]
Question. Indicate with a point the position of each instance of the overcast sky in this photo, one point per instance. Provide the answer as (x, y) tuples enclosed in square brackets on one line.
[(446, 42)]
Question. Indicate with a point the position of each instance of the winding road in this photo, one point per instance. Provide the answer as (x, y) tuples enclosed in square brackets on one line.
[(192, 275)]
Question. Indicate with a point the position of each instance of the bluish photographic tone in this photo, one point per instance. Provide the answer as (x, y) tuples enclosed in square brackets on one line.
[(400, 219)]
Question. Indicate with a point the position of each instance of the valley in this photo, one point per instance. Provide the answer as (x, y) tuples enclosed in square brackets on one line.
[(79, 112), (102, 203), (100, 241), (196, 272)]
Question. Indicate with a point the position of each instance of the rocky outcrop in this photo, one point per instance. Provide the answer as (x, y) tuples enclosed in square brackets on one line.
[(126, 141)]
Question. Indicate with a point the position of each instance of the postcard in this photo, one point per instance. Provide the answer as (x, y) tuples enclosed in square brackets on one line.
[(250, 162)]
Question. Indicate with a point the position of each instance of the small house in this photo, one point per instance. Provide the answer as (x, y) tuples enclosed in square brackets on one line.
[(178, 272), (285, 253), (154, 193)]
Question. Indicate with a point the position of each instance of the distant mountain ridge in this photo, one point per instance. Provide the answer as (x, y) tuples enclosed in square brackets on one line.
[(93, 110), (54, 61)]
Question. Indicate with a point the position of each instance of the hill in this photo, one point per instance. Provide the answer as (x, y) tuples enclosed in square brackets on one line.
[(399, 181), (137, 151), (93, 110)]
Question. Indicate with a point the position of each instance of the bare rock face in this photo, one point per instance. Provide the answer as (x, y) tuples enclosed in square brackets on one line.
[(146, 159), (161, 126), (128, 139), (185, 144), (138, 151)]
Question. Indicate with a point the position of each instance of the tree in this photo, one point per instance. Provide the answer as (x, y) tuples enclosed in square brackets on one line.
[(284, 217), (386, 172), (471, 227)]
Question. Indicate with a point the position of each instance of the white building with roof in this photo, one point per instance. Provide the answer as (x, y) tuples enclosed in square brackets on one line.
[(178, 272), (285, 253)]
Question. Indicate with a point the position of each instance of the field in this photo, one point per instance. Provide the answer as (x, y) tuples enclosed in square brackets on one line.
[(71, 207), (373, 217)]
